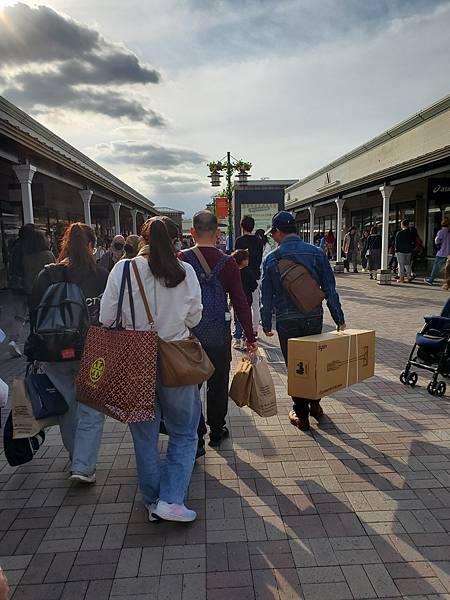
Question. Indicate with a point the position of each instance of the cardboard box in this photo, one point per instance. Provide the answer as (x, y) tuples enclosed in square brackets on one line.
[(320, 365)]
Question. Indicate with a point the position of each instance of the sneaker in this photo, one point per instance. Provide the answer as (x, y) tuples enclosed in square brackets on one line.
[(173, 512), (301, 423), (216, 438), (80, 478), (14, 350), (151, 507), (401, 280), (355, 271), (237, 344), (315, 410), (428, 282)]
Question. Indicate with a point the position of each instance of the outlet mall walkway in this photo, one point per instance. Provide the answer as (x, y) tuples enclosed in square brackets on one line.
[(358, 508)]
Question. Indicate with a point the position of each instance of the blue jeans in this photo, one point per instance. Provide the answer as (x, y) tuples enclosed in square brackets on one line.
[(168, 482), (81, 426), (238, 331), (438, 263)]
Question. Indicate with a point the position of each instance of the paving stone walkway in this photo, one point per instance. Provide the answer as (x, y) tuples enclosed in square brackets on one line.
[(358, 508)]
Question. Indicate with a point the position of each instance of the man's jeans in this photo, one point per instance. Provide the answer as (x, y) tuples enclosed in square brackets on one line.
[(168, 482), (404, 264), (298, 327), (352, 257), (238, 331), (256, 311), (81, 426), (438, 263)]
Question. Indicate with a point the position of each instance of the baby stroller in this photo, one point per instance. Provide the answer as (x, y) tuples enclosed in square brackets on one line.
[(431, 352)]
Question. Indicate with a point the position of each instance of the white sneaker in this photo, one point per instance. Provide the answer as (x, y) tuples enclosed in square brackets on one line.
[(14, 350), (80, 478), (174, 512), (151, 507)]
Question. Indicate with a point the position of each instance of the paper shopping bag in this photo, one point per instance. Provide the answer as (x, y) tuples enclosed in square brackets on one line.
[(24, 423), (241, 386), (263, 399)]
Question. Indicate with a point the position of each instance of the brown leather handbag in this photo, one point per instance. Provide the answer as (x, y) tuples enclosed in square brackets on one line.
[(181, 362)]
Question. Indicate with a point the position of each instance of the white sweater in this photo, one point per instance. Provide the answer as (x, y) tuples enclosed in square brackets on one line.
[(174, 310)]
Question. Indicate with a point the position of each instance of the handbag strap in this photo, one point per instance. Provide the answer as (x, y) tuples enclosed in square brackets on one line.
[(142, 292), (201, 259)]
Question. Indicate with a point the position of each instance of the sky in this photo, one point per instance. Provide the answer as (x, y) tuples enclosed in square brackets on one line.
[(155, 89)]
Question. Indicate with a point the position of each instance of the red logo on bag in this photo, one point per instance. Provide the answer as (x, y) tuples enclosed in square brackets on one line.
[(68, 353)]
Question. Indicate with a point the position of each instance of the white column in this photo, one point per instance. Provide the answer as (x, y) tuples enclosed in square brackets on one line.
[(312, 212), (134, 213), (25, 174), (86, 196), (386, 192), (116, 208), (340, 206)]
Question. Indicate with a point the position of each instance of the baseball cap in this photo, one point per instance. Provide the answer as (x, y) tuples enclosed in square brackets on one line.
[(281, 220)]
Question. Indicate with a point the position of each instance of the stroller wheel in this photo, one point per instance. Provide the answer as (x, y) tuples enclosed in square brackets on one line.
[(404, 378), (432, 388), (412, 379), (441, 388)]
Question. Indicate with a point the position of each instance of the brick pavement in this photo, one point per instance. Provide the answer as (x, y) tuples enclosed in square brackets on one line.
[(358, 508)]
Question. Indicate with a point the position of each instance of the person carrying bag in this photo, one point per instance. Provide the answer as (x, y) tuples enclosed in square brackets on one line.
[(173, 295)]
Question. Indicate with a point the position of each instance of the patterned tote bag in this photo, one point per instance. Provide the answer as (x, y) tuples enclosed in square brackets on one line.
[(118, 367)]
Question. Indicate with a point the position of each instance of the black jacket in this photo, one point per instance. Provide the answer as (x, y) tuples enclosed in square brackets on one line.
[(405, 241)]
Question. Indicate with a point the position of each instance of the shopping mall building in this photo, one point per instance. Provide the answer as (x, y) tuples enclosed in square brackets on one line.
[(45, 180), (404, 173)]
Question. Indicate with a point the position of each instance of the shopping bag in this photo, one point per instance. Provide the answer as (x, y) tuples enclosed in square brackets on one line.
[(20, 451), (4, 390), (23, 422), (45, 399), (263, 399), (241, 385), (118, 367)]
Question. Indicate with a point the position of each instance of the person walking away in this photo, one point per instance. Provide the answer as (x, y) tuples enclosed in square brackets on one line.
[(218, 275), (393, 262), (114, 254), (404, 245), (131, 247), (174, 297), (364, 238), (442, 242), (249, 285), (374, 251), (417, 252), (81, 426), (330, 243), (290, 322), (267, 248), (252, 243), (351, 249), (30, 254)]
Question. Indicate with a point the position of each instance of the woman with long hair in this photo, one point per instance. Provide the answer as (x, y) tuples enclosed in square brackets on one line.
[(81, 426), (173, 294), (29, 255)]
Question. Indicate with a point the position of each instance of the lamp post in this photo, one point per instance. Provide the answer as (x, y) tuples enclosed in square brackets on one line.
[(229, 164)]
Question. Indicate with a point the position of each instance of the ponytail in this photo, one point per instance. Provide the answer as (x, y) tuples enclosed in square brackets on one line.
[(75, 247), (162, 261)]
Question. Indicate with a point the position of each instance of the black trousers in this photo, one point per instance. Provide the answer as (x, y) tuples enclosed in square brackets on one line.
[(298, 327), (217, 389)]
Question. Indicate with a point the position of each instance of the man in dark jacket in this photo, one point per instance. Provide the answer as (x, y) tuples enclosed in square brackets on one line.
[(290, 322), (405, 242)]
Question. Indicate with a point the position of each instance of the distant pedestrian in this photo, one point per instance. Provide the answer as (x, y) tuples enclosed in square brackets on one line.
[(373, 251), (81, 426), (267, 248), (173, 294), (404, 245), (393, 262), (252, 243), (442, 242), (364, 238), (249, 285), (290, 322), (351, 248), (131, 247), (218, 275), (330, 242), (30, 253), (114, 254)]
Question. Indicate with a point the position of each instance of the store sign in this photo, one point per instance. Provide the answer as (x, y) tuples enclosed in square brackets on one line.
[(221, 205), (439, 188), (262, 213)]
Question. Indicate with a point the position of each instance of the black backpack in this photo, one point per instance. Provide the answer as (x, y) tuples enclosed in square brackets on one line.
[(20, 451), (60, 321)]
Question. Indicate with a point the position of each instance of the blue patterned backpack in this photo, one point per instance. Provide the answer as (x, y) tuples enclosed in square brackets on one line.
[(214, 328)]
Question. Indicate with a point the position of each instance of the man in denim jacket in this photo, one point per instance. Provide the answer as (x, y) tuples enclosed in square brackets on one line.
[(290, 322)]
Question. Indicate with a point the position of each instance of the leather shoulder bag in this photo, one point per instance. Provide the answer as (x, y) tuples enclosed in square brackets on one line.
[(181, 362)]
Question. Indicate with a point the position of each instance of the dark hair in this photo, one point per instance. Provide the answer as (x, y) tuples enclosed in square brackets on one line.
[(248, 223), (75, 247), (330, 232), (172, 227), (162, 261), (32, 238), (444, 222), (204, 222), (405, 223), (261, 234), (288, 229), (240, 255), (374, 230)]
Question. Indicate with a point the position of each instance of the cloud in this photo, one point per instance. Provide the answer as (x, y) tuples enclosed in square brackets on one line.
[(144, 154), (52, 61), (177, 183)]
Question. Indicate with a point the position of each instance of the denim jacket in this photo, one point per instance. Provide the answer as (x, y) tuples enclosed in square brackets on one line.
[(275, 296)]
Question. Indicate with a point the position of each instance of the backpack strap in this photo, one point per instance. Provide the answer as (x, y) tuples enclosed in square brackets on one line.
[(142, 292), (201, 259)]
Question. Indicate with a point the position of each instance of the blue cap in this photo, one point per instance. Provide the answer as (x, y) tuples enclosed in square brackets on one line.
[(282, 220)]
